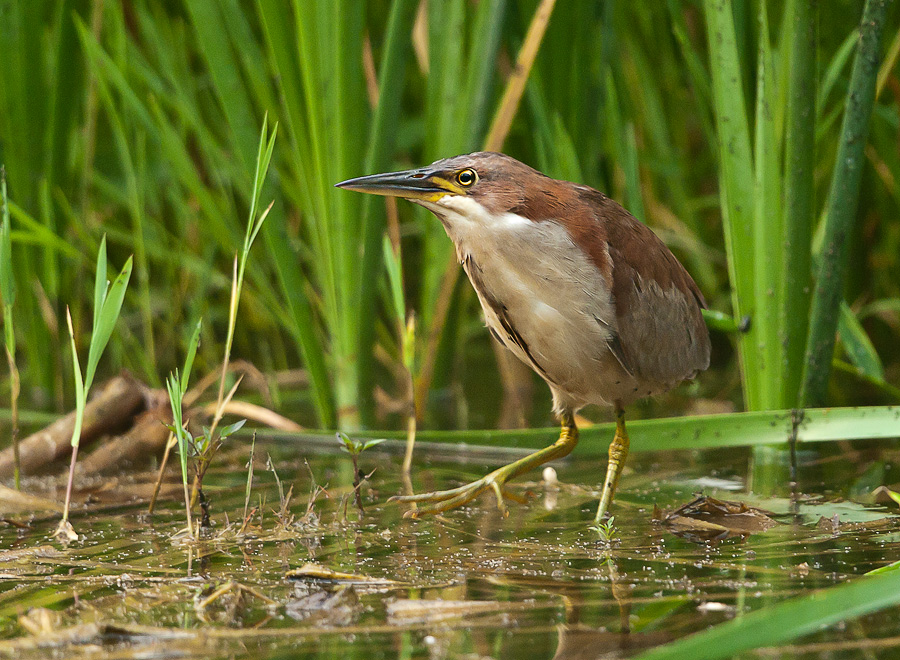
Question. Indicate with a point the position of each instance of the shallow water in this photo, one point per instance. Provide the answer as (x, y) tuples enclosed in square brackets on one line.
[(538, 584)]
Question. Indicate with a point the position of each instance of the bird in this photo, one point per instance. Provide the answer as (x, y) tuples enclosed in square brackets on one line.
[(572, 284)]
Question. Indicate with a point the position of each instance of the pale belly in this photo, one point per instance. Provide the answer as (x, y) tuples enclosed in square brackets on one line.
[(552, 308)]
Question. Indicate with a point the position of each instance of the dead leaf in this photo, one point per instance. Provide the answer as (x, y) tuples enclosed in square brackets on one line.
[(709, 520)]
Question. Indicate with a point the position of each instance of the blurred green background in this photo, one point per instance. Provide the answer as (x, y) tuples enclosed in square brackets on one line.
[(140, 120)]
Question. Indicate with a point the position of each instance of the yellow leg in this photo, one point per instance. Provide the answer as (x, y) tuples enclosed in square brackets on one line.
[(443, 500), (618, 451)]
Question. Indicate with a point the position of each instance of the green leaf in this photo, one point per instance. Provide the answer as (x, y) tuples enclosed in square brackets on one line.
[(215, 47), (858, 345), (80, 398), (371, 443), (191, 353), (786, 621), (835, 68), (263, 158), (749, 429), (105, 321), (101, 286), (7, 279), (720, 321), (889, 568), (885, 305), (38, 234), (395, 279), (173, 386), (231, 429), (348, 444)]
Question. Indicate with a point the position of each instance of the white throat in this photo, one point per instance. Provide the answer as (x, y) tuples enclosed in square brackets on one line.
[(466, 220)]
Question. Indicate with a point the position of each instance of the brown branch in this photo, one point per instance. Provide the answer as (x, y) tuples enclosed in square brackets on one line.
[(146, 438), (111, 410)]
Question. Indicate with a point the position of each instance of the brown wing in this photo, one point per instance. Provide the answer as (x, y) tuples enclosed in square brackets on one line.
[(659, 333), (658, 304)]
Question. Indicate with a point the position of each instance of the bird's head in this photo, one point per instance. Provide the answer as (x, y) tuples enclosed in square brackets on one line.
[(478, 182)]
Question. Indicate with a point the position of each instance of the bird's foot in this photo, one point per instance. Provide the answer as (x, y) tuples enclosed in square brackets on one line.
[(444, 500)]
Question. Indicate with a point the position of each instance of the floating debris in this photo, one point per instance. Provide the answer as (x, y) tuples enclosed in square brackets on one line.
[(709, 520)]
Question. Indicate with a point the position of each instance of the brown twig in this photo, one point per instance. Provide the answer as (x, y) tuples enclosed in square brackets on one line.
[(144, 438), (110, 410), (255, 413)]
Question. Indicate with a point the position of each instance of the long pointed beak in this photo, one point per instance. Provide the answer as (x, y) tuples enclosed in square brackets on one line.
[(423, 183)]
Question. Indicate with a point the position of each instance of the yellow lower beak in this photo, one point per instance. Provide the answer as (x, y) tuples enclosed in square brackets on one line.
[(423, 183)]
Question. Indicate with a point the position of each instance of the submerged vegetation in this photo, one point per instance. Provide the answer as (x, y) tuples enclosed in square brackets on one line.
[(758, 139)]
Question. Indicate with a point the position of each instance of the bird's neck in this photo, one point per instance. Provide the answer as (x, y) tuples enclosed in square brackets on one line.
[(467, 221)]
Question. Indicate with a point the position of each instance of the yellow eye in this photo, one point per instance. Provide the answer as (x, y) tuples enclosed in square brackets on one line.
[(466, 177)]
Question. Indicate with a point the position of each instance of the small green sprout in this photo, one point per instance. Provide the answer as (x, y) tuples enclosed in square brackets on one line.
[(606, 529), (108, 299), (355, 448)]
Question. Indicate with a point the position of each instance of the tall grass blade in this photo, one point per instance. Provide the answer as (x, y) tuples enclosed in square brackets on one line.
[(382, 138), (395, 280), (7, 276), (297, 294), (263, 158), (799, 199), (768, 249), (225, 70), (101, 284), (841, 208), (515, 86), (8, 295), (736, 184), (34, 233)]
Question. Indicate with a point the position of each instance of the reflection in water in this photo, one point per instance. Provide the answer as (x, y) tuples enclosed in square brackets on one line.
[(538, 584)]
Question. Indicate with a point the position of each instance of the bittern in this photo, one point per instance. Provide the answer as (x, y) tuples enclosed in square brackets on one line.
[(572, 284)]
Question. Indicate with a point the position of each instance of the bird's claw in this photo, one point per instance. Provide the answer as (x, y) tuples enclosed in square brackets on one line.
[(444, 500)]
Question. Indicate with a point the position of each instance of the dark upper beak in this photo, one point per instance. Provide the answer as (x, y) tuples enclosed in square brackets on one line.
[(423, 183)]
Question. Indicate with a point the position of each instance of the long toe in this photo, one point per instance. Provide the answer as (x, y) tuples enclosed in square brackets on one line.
[(438, 495), (440, 506), (442, 500)]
